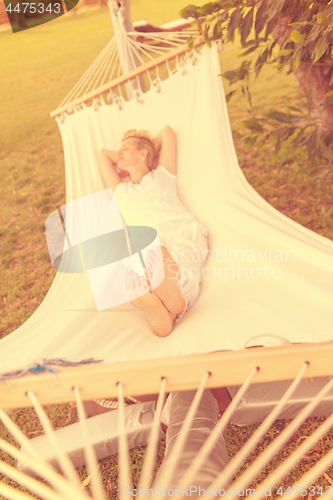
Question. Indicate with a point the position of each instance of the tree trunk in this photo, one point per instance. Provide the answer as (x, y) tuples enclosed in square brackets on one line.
[(312, 80), (315, 82)]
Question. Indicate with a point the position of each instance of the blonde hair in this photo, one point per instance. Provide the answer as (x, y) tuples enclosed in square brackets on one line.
[(143, 140)]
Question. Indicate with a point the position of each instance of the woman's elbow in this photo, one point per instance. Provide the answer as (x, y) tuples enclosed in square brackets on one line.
[(168, 133)]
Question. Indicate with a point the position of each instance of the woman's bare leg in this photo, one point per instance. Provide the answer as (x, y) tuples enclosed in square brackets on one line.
[(141, 297), (163, 279)]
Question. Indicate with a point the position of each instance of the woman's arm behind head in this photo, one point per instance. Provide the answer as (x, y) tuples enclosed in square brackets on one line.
[(166, 145), (107, 165)]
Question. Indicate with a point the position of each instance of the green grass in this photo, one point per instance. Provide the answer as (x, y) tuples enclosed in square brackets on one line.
[(38, 68)]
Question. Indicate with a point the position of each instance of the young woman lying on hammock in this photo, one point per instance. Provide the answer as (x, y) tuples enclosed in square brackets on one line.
[(149, 198)]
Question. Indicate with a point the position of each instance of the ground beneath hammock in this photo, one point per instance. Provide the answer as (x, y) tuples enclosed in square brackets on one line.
[(290, 187)]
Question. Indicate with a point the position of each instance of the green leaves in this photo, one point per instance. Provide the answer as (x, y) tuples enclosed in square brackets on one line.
[(296, 126), (253, 124), (292, 34), (296, 36), (217, 30), (322, 19), (233, 23), (207, 9), (271, 25), (189, 11), (278, 116), (206, 35), (297, 58), (328, 100), (190, 43), (229, 95), (260, 19), (274, 7), (241, 73), (261, 61), (285, 52), (230, 75), (284, 117), (246, 25), (320, 48), (198, 12)]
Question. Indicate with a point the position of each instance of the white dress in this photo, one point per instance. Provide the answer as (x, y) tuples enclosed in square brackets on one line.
[(155, 203)]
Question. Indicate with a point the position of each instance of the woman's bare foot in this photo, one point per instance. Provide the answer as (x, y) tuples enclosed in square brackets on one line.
[(142, 298), (163, 279)]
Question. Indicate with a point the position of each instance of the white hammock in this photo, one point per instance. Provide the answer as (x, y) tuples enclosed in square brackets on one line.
[(267, 280)]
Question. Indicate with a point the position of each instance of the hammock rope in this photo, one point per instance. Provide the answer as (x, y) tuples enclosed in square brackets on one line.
[(181, 438), (295, 457), (277, 444), (36, 462), (91, 460), (217, 431), (124, 470), (69, 487), (148, 466), (107, 66), (255, 438), (63, 460)]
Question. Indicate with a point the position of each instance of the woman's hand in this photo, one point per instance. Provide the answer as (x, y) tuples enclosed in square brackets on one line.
[(166, 145)]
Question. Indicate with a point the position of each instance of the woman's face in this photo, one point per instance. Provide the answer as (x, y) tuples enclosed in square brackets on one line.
[(129, 155)]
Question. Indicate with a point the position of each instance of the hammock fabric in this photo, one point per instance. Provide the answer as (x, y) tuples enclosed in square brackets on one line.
[(267, 280)]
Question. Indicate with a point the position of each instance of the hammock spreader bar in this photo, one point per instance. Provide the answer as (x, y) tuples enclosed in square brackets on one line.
[(131, 75)]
